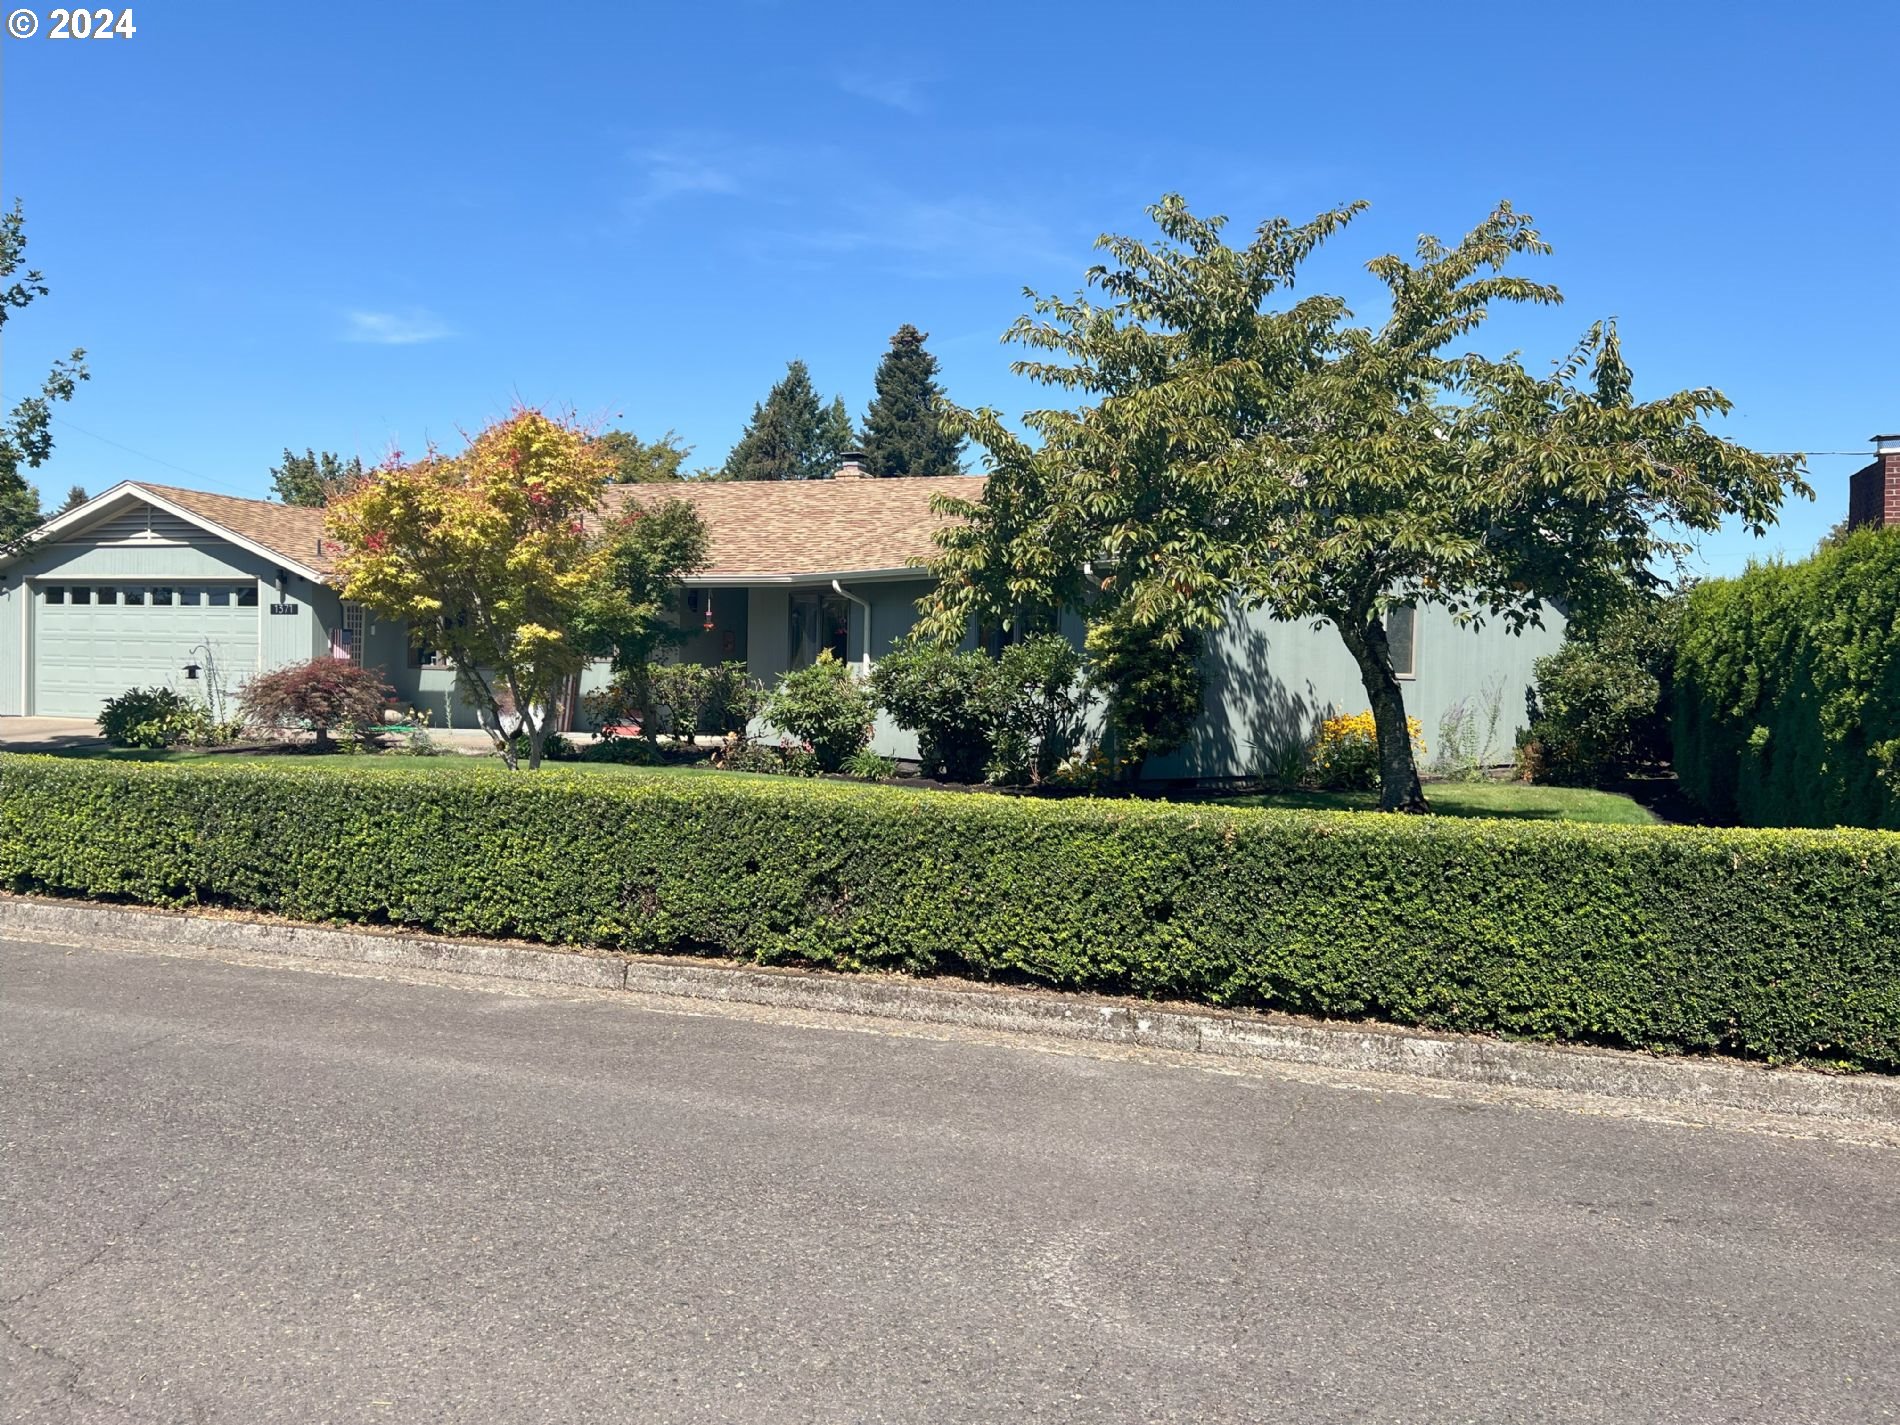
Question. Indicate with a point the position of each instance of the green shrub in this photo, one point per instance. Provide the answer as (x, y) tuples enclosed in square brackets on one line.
[(704, 699), (952, 701), (1780, 944), (1010, 719), (782, 758), (1787, 706), (870, 766), (159, 717), (1154, 690), (1601, 701), (626, 751), (1043, 706), (825, 707), (680, 699)]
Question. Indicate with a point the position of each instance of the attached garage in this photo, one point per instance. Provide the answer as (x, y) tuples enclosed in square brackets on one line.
[(152, 586), (91, 640)]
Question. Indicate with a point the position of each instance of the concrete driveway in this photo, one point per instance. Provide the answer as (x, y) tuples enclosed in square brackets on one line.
[(48, 734), (254, 1194)]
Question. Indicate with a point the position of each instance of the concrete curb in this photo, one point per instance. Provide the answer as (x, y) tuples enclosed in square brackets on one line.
[(1501, 1063)]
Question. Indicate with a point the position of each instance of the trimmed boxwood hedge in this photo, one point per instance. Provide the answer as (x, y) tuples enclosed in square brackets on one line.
[(1779, 944)]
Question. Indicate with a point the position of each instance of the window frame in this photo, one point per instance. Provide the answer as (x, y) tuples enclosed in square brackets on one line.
[(1409, 673), (817, 600)]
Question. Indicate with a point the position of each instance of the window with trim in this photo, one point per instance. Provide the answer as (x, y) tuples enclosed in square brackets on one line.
[(191, 597), (81, 594), (820, 621), (133, 596), (161, 596), (108, 595), (247, 597), (427, 655), (54, 595), (1401, 638)]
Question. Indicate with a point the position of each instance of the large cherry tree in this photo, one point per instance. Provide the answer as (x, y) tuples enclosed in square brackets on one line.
[(1227, 445)]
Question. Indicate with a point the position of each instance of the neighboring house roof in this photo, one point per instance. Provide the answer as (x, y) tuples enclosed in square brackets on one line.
[(763, 531), (785, 531)]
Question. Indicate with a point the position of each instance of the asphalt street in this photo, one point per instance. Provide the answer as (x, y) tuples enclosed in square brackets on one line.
[(249, 1194)]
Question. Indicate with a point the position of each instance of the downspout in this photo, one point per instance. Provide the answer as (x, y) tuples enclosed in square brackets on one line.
[(864, 604)]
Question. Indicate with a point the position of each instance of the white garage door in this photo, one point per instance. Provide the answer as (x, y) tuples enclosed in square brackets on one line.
[(93, 641)]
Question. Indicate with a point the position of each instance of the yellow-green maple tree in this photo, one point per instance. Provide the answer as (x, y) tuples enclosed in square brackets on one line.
[(487, 556)]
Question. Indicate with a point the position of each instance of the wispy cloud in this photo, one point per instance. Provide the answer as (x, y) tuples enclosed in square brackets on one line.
[(685, 166), (404, 328), (936, 236), (811, 206), (894, 91)]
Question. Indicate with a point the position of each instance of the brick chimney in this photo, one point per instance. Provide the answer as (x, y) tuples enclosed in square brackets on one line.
[(1873, 492), (851, 466)]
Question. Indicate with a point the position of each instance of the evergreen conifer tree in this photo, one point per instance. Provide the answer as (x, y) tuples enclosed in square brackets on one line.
[(792, 434), (903, 431)]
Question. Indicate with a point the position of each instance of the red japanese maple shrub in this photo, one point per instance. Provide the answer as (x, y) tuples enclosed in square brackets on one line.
[(321, 695)]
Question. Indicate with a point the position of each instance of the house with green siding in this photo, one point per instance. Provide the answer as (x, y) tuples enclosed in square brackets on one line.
[(149, 585)]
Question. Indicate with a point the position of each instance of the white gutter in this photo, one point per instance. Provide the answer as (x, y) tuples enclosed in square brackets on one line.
[(864, 604), (817, 579)]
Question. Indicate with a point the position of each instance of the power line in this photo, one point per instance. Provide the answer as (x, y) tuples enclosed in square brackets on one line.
[(142, 455)]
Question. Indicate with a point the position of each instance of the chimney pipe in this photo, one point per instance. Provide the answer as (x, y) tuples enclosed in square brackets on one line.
[(851, 466)]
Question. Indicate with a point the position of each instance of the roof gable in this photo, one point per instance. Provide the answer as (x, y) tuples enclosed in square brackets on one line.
[(137, 513), (289, 533)]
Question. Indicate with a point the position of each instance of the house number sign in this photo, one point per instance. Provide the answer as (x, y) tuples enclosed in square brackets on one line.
[(283, 608)]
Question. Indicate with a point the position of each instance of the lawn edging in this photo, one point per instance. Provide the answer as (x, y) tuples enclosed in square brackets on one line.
[(1780, 945), (1620, 1074)]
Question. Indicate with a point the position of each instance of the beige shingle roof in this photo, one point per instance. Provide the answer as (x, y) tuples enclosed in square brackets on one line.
[(292, 531), (779, 529), (761, 529)]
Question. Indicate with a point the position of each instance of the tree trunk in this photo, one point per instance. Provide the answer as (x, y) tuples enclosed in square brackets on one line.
[(1399, 788), (525, 724), (487, 712)]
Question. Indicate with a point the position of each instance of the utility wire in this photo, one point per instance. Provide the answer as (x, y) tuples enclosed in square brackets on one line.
[(116, 445)]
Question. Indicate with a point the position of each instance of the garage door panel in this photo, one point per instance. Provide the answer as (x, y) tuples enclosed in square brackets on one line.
[(86, 652)]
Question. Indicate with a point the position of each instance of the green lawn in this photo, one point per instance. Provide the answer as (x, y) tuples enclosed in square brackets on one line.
[(1515, 800), (447, 764)]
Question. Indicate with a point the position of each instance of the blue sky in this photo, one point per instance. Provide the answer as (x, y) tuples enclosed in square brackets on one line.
[(359, 226)]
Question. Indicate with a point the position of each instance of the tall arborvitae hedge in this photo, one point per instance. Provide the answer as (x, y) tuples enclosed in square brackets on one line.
[(1788, 690)]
